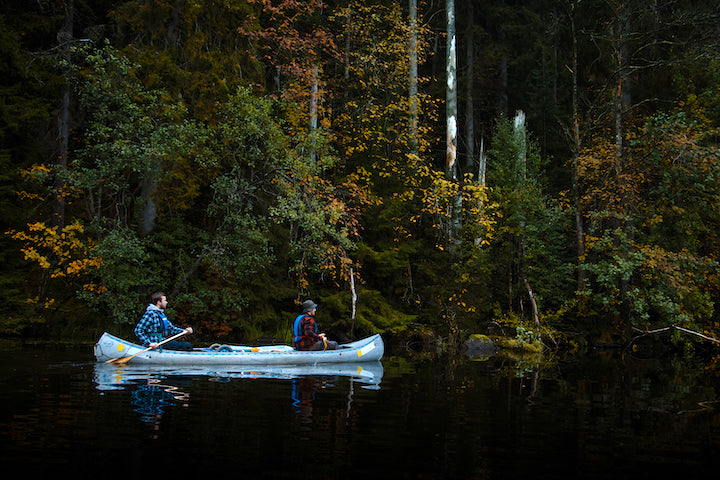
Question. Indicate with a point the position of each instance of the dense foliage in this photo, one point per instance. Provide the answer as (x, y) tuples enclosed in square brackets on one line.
[(245, 155)]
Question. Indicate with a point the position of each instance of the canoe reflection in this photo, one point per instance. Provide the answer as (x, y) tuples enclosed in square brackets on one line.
[(109, 376), (154, 388)]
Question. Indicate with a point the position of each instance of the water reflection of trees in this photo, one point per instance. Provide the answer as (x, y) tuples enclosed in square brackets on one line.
[(604, 407), (664, 384)]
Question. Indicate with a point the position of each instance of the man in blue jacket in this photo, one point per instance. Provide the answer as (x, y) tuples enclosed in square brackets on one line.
[(155, 327), (305, 333)]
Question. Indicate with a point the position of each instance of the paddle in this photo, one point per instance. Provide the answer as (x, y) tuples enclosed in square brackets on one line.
[(127, 359)]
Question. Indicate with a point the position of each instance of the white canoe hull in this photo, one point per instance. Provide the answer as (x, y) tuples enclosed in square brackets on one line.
[(366, 350)]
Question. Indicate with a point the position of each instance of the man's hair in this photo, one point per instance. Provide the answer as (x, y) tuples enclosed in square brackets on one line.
[(156, 297)]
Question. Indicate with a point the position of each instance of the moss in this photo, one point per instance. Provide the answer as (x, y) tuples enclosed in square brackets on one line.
[(520, 345), (374, 314)]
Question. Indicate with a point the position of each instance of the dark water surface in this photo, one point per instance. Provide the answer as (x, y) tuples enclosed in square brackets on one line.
[(414, 416)]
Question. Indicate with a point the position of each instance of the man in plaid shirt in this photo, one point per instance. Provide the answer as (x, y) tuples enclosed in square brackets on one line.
[(305, 331), (154, 326)]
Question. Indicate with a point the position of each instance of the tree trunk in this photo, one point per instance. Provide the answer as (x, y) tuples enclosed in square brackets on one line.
[(502, 102), (536, 316), (451, 166), (149, 211), (348, 36), (65, 37), (173, 31), (575, 147), (482, 161), (353, 292), (451, 94), (413, 75), (520, 134), (314, 109), (621, 30), (469, 105)]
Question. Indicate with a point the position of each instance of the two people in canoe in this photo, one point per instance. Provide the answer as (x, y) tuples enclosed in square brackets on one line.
[(305, 334), (155, 327)]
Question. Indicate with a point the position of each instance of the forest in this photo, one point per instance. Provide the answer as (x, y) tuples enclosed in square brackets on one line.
[(545, 168)]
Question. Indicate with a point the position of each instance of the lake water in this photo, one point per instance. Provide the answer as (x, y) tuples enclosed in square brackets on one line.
[(412, 416)]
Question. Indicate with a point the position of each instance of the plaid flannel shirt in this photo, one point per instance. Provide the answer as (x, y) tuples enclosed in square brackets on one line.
[(308, 331), (154, 322)]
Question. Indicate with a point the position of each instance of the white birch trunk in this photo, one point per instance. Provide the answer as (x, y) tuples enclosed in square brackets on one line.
[(451, 166), (354, 293), (451, 93), (521, 142)]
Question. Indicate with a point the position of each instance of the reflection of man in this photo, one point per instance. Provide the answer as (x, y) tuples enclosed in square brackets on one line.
[(150, 402), (303, 394), (305, 331), (151, 399), (154, 326)]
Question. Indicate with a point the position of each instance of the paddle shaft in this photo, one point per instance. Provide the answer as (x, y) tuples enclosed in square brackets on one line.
[(127, 359)]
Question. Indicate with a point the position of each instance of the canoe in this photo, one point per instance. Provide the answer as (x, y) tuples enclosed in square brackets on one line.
[(368, 349)]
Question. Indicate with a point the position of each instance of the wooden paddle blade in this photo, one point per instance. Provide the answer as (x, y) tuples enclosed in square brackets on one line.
[(123, 360), (120, 360)]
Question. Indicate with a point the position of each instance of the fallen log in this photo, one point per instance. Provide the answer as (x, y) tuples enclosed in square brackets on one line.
[(535, 310), (673, 327)]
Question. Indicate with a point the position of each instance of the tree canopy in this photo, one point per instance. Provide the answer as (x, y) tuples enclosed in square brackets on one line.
[(245, 155)]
